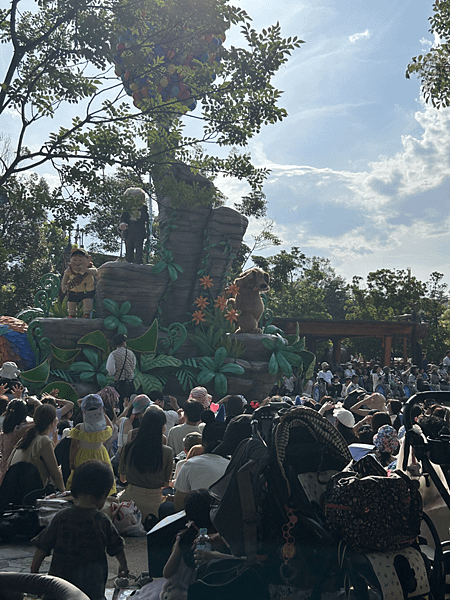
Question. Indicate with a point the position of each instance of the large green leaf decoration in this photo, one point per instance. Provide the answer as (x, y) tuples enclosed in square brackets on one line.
[(37, 375), (95, 338), (65, 355), (309, 362), (111, 305), (205, 376), (81, 366), (111, 322), (66, 391), (92, 356), (232, 368), (150, 382), (146, 342)]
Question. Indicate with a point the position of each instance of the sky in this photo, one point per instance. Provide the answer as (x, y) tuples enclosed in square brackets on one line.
[(360, 169)]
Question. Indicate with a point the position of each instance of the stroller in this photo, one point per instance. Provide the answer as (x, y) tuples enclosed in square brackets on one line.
[(278, 519)]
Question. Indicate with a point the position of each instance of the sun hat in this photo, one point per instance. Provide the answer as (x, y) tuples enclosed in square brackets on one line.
[(386, 439), (91, 401), (9, 370), (324, 364), (200, 394), (140, 403), (344, 416)]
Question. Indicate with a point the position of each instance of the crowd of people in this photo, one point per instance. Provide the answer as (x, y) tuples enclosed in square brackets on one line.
[(149, 450)]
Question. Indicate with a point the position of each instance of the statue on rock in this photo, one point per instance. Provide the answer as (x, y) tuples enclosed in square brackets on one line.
[(133, 224), (79, 283), (248, 300)]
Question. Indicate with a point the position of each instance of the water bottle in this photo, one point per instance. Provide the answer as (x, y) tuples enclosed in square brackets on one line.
[(203, 540)]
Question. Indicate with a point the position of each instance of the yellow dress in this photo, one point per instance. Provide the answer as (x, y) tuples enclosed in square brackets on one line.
[(91, 448)]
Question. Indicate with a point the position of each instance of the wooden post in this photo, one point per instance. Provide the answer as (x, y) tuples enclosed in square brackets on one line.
[(387, 346), (337, 351)]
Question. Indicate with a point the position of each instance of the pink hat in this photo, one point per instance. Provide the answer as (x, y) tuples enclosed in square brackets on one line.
[(200, 394)]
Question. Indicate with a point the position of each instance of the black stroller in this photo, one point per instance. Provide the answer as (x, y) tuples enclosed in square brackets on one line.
[(288, 462)]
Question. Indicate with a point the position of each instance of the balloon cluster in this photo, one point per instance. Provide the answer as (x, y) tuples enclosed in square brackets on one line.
[(150, 69)]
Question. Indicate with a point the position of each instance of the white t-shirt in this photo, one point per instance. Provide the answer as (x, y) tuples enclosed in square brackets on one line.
[(326, 375), (199, 472), (171, 420), (177, 434)]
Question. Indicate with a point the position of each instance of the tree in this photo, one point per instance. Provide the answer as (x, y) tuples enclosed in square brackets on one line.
[(30, 246), (433, 68), (62, 54)]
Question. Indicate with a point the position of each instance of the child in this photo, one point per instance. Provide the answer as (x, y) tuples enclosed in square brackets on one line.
[(88, 437), (79, 284), (81, 535)]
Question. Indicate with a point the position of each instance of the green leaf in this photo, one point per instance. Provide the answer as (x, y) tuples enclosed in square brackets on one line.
[(122, 329), (112, 306), (172, 272), (111, 322), (86, 375), (205, 377), (63, 354), (92, 356), (221, 385), (208, 363), (232, 368), (131, 320), (219, 357), (273, 364), (37, 375), (149, 383), (66, 391), (101, 380), (160, 266), (147, 342), (268, 344), (95, 338), (124, 309), (80, 366), (284, 365)]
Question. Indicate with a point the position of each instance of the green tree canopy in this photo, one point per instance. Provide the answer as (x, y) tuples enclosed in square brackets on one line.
[(62, 54), (433, 68)]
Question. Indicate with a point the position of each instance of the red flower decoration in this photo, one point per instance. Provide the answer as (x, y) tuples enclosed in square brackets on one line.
[(201, 302), (206, 282), (198, 316), (232, 315)]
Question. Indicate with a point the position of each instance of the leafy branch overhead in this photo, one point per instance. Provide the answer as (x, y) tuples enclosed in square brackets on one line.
[(63, 54)]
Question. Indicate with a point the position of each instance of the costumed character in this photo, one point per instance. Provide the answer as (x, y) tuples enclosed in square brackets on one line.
[(78, 282), (248, 301), (133, 224)]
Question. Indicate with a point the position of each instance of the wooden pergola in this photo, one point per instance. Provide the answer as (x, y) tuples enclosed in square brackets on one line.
[(316, 330)]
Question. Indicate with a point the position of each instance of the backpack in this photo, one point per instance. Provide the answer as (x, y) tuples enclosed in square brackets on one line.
[(373, 513)]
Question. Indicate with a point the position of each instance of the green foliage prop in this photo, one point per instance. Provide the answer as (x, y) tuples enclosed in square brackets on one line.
[(216, 369), (66, 391), (96, 339), (120, 317), (166, 262), (64, 355), (39, 374), (146, 342), (91, 370), (154, 381)]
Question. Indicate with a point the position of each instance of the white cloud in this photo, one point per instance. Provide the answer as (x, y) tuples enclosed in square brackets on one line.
[(357, 36)]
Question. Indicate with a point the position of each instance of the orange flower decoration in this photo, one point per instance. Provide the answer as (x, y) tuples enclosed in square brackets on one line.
[(231, 315), (206, 281), (201, 302), (233, 289), (220, 302), (198, 316)]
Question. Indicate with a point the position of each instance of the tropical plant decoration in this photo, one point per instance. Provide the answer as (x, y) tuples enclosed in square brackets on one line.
[(153, 371), (120, 317), (213, 318), (166, 262), (92, 369), (285, 356), (215, 369)]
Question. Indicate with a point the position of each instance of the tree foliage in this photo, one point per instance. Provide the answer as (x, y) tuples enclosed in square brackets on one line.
[(433, 68), (62, 54), (29, 245)]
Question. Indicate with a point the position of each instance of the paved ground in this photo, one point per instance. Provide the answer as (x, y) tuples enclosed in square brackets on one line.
[(16, 557)]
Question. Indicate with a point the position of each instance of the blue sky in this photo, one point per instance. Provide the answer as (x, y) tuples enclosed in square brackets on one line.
[(360, 169)]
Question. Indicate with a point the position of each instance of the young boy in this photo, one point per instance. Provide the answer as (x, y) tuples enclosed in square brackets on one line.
[(81, 535)]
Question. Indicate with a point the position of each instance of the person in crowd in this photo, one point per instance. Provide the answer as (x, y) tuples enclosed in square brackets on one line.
[(146, 464), (192, 439), (192, 410), (89, 436), (238, 429), (16, 423), (377, 377), (345, 421), (395, 412), (9, 380), (202, 471), (326, 376), (169, 404), (200, 394), (386, 444), (368, 404), (36, 447), (446, 361), (81, 535), (121, 365)]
